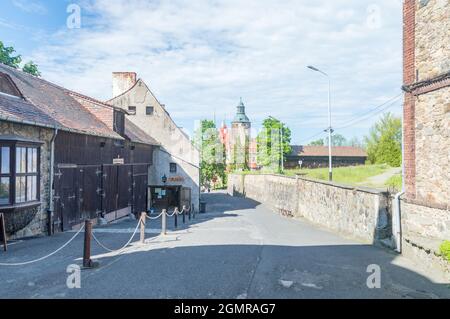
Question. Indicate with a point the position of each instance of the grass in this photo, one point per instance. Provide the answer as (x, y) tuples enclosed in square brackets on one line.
[(354, 175), (445, 250), (395, 182)]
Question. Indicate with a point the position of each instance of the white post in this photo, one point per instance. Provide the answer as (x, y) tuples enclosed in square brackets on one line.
[(330, 175), (164, 222)]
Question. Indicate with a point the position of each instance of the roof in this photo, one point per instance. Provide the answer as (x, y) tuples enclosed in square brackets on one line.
[(241, 117), (341, 151), (49, 105), (135, 134)]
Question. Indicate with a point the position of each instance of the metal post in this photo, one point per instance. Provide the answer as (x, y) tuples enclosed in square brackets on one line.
[(193, 211), (330, 131), (176, 212), (142, 221), (184, 214), (3, 232), (87, 262), (164, 222)]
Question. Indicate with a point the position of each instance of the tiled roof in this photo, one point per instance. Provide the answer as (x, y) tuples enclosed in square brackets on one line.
[(47, 104), (135, 134), (341, 151)]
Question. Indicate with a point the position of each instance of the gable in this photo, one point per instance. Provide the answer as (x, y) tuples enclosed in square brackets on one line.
[(7, 86)]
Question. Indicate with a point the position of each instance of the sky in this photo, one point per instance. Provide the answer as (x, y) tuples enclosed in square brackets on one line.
[(199, 57)]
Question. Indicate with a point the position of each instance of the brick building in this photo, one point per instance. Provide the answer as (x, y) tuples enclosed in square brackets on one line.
[(426, 204)]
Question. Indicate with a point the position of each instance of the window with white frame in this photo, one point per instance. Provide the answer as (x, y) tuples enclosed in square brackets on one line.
[(19, 173)]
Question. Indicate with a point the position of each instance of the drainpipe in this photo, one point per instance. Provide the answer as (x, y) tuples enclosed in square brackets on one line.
[(397, 218), (51, 204)]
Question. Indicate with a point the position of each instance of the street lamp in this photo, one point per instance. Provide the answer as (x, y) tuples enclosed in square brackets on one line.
[(330, 129)]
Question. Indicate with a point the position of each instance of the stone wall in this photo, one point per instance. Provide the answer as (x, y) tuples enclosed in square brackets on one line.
[(424, 229), (432, 38), (359, 213), (433, 146), (39, 223)]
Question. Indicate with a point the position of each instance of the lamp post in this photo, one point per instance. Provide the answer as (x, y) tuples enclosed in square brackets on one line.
[(330, 129)]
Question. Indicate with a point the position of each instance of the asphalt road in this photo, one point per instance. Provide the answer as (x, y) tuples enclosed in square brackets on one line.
[(238, 250)]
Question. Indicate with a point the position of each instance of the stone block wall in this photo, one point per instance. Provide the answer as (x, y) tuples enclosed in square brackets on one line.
[(359, 213), (39, 223), (424, 229), (432, 38), (432, 149)]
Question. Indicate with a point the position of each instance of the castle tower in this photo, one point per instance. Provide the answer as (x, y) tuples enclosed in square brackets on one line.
[(240, 138)]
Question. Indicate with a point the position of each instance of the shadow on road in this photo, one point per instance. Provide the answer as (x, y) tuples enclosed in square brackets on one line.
[(225, 271), (189, 267)]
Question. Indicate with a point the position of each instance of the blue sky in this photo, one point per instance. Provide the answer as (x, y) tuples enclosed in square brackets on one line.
[(199, 57)]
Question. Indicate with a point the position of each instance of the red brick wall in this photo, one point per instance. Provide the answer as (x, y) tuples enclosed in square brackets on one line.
[(103, 113), (409, 77)]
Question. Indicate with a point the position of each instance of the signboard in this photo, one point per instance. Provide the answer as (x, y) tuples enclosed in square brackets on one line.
[(176, 179), (118, 161)]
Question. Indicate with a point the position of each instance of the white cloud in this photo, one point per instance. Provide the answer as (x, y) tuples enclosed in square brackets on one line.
[(30, 6), (200, 56)]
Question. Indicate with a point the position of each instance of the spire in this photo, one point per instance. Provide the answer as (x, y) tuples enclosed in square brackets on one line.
[(241, 117)]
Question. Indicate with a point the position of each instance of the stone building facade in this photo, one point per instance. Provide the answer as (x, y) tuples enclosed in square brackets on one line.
[(32, 220), (426, 204), (176, 158)]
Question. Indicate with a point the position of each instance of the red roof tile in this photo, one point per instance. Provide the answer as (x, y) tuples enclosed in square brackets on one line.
[(341, 151), (48, 104)]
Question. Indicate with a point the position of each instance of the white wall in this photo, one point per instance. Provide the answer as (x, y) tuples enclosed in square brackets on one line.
[(161, 127)]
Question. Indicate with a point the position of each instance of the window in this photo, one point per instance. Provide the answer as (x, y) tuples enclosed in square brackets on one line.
[(173, 167), (5, 175), (19, 172), (132, 110), (149, 110), (26, 174)]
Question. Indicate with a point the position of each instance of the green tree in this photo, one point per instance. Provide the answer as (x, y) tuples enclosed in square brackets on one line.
[(273, 141), (319, 142), (8, 57), (31, 68), (384, 142), (336, 140), (212, 161), (355, 142)]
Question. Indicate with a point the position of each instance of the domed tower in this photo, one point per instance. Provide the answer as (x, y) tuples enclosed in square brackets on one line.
[(240, 138)]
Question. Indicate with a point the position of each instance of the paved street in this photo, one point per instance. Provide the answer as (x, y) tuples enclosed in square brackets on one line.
[(239, 249)]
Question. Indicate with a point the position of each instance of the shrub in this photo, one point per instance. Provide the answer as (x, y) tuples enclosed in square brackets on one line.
[(445, 250)]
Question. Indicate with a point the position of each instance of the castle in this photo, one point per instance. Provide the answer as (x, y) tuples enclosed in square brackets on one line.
[(238, 141)]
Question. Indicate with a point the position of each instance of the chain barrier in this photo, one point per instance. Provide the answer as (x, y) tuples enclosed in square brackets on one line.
[(175, 212), (120, 249), (154, 218), (47, 256)]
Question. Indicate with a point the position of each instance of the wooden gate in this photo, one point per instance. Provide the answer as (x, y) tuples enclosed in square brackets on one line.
[(88, 191)]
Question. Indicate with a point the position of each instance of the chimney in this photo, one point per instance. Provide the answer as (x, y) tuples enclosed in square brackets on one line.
[(123, 81)]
